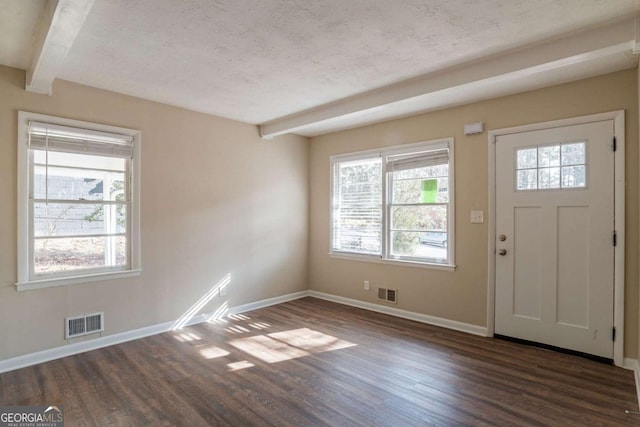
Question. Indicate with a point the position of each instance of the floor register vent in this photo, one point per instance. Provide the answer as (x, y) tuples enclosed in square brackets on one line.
[(84, 325), (388, 295)]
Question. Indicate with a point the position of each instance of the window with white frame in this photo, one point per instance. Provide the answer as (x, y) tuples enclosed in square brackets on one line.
[(395, 204), (78, 201)]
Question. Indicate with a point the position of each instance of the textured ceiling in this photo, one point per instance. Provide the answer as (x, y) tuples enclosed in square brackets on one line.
[(18, 19), (257, 60)]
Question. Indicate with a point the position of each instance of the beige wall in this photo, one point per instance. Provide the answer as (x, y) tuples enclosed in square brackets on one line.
[(216, 199), (462, 295)]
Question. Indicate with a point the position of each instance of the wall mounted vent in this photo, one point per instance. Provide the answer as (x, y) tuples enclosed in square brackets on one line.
[(388, 295), (84, 325)]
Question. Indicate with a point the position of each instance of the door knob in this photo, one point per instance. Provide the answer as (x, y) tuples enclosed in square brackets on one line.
[(502, 252), (502, 237)]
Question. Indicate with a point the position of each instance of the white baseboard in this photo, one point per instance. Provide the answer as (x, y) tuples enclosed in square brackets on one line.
[(80, 347), (634, 365), (105, 341), (94, 344), (418, 317)]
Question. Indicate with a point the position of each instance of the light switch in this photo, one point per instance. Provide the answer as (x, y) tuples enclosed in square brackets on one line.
[(477, 217)]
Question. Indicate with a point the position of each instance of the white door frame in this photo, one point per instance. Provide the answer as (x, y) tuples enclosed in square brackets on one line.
[(619, 198)]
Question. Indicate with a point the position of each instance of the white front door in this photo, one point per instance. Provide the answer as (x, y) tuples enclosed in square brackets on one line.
[(554, 237)]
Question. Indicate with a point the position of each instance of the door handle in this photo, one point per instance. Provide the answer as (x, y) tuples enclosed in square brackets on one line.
[(502, 252)]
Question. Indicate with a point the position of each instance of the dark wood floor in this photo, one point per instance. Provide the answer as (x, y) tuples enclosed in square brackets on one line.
[(311, 362)]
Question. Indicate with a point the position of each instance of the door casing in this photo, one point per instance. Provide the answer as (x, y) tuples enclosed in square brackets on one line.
[(619, 197)]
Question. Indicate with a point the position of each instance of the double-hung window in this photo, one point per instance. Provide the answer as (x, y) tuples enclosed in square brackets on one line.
[(395, 204), (78, 216)]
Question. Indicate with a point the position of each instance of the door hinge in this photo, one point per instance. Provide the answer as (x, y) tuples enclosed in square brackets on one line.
[(615, 144), (613, 333), (615, 239)]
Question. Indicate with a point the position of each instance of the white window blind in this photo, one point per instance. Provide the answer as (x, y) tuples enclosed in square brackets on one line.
[(357, 206), (50, 137), (417, 160)]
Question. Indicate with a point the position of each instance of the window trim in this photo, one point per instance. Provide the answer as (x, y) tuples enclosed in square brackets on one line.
[(385, 258), (25, 280)]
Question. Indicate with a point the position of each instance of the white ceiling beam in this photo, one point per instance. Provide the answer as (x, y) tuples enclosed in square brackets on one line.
[(60, 24), (525, 63)]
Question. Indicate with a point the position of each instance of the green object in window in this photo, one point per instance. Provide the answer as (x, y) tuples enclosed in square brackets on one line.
[(429, 190)]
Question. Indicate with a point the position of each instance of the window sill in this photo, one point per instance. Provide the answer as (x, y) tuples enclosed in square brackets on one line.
[(72, 280), (397, 262)]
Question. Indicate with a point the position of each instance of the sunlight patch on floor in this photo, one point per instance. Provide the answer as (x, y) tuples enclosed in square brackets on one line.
[(260, 325), (213, 352), (236, 329), (187, 336), (310, 340), (268, 349), (240, 365), (218, 315), (287, 345), (239, 317)]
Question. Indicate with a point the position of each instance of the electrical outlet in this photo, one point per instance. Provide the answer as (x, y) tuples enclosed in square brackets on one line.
[(366, 285)]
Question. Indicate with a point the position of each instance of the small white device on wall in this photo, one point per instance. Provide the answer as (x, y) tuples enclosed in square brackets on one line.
[(473, 128)]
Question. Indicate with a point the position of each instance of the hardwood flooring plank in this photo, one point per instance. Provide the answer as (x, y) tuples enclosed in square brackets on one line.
[(311, 362)]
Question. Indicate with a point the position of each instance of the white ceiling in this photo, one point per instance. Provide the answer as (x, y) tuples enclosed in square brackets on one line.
[(258, 61), (18, 21)]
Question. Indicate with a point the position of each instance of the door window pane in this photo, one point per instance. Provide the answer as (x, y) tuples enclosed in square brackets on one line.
[(551, 167), (573, 154), (527, 179), (527, 158), (549, 178), (549, 156), (574, 176)]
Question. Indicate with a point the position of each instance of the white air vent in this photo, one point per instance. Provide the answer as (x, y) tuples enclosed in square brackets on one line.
[(84, 325), (388, 295)]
